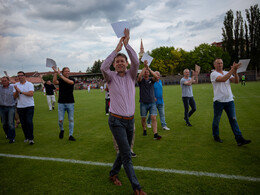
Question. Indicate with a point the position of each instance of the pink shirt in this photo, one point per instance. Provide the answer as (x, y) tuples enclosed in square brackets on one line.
[(121, 89)]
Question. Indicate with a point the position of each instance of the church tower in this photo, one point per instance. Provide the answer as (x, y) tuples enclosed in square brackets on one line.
[(141, 53)]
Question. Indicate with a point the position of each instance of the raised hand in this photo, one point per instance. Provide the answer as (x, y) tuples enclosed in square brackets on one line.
[(127, 36), (146, 64), (119, 45)]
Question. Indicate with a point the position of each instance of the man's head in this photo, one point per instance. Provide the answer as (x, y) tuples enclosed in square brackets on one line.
[(120, 63), (48, 82), (21, 76), (65, 72), (158, 75), (218, 64), (146, 74), (186, 72), (5, 81)]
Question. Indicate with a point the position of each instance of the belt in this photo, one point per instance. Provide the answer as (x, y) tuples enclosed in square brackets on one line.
[(122, 117)]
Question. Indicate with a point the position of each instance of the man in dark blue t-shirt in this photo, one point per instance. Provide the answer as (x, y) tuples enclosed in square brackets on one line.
[(147, 98), (66, 99)]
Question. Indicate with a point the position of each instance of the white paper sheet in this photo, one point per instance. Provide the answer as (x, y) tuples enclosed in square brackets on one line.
[(119, 28), (50, 63), (148, 58), (244, 64)]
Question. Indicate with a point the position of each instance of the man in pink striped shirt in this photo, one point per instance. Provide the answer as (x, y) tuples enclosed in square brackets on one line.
[(121, 84)]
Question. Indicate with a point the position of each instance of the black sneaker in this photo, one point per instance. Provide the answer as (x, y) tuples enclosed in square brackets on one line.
[(217, 139), (11, 141), (133, 155), (144, 133), (53, 108), (243, 141), (71, 138), (61, 134), (157, 137), (188, 124), (31, 142)]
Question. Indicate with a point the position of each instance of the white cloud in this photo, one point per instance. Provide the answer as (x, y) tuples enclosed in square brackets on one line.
[(76, 33)]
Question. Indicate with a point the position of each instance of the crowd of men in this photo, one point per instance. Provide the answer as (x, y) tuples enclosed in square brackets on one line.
[(121, 85)]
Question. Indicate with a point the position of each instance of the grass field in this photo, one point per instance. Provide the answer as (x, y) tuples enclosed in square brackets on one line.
[(181, 148)]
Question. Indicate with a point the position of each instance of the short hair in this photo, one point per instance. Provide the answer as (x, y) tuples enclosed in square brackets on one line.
[(64, 69), (186, 69), (6, 77), (122, 55), (216, 60), (21, 72)]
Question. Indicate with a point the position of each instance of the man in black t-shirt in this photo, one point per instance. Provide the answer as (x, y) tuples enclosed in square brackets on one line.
[(147, 98), (66, 99), (50, 89)]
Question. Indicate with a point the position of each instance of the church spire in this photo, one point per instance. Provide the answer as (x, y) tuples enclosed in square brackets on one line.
[(141, 53)]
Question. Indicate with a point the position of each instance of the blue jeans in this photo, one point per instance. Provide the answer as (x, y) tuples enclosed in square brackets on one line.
[(61, 112), (229, 108), (122, 131), (26, 118), (160, 108), (7, 114), (188, 102), (145, 107)]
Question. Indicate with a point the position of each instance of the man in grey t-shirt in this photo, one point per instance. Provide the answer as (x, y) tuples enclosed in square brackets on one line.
[(187, 94)]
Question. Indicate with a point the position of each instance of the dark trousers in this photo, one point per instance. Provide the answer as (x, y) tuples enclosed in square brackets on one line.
[(26, 118), (107, 105), (122, 131), (7, 114), (188, 102)]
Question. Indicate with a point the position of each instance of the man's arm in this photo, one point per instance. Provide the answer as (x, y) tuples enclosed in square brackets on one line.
[(140, 76), (105, 66), (155, 77), (55, 80), (132, 55), (233, 70)]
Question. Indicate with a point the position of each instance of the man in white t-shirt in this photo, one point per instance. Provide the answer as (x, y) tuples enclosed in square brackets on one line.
[(23, 93), (223, 99)]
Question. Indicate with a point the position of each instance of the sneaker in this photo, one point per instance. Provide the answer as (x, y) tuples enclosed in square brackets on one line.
[(188, 124), (133, 155), (149, 126), (11, 141), (166, 128), (31, 142), (144, 133), (71, 138), (61, 134), (243, 141), (53, 108), (157, 137), (107, 113), (26, 140), (217, 139)]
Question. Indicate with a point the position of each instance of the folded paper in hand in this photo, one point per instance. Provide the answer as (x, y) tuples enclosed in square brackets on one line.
[(50, 63), (119, 28), (148, 58), (244, 64)]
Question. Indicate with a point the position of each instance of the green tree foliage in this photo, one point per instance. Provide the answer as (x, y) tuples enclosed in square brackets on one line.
[(253, 19), (47, 77)]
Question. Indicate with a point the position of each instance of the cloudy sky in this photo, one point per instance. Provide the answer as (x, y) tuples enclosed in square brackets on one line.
[(76, 33)]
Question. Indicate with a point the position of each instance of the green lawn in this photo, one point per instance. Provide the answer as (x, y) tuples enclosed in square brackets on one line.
[(181, 148)]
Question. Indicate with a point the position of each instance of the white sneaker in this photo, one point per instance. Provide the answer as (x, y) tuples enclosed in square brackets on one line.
[(26, 140), (166, 128), (149, 126)]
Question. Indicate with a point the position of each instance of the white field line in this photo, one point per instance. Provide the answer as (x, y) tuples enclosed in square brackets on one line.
[(183, 172)]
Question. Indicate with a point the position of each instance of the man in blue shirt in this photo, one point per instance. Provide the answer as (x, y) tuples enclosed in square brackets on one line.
[(158, 93)]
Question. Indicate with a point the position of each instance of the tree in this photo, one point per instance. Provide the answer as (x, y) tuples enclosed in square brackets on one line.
[(96, 67), (253, 19), (227, 32)]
